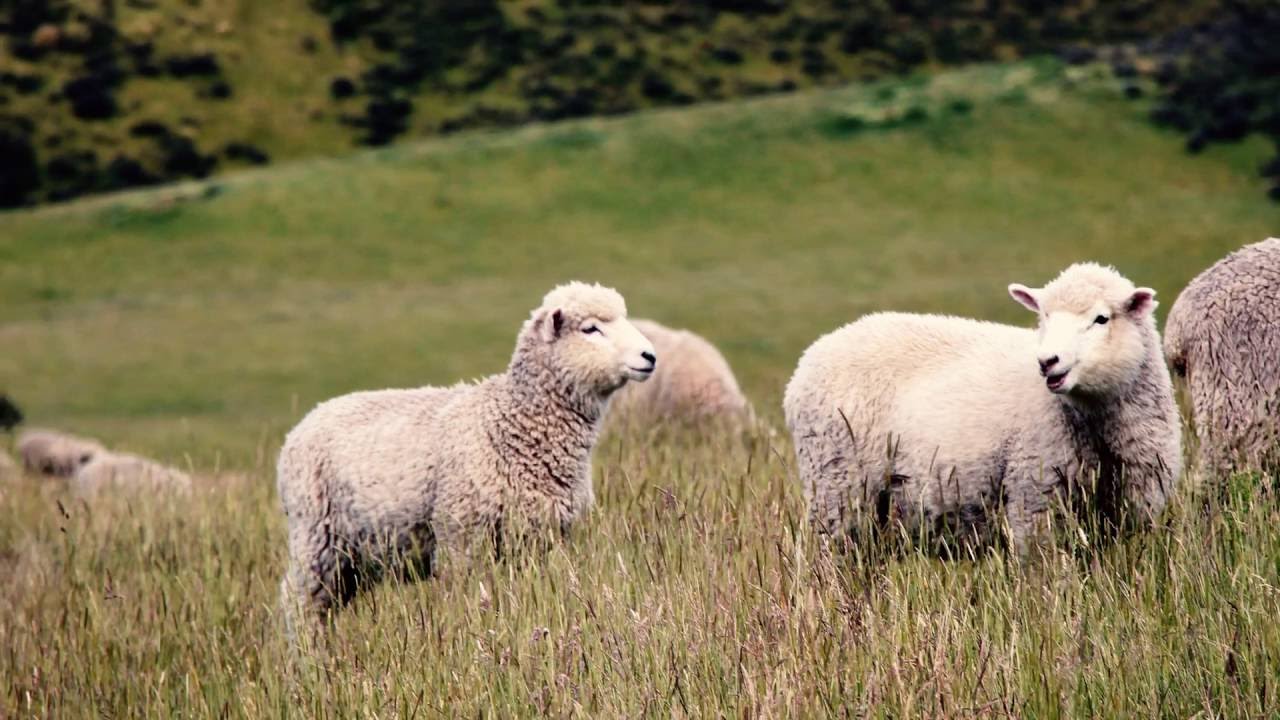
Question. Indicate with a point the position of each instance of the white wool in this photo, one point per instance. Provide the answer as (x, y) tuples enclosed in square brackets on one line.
[(693, 383), (56, 454), (942, 421), (373, 480), (1223, 337), (127, 471)]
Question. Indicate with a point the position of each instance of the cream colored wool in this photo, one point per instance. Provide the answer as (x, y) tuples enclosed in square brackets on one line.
[(56, 454), (127, 471), (694, 383), (373, 479), (1223, 337), (947, 423)]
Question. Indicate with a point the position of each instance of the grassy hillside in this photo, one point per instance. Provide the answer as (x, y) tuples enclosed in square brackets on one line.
[(98, 95), (198, 322), (204, 320)]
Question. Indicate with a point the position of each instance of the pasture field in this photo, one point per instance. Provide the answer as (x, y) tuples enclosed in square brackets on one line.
[(197, 323)]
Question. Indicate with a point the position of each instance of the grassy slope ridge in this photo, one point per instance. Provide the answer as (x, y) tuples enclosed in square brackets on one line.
[(194, 326), (90, 98), (185, 322)]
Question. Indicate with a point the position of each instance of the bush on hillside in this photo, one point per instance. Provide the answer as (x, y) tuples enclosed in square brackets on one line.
[(1222, 80)]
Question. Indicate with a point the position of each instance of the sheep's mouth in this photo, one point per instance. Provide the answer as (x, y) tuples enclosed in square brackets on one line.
[(1056, 382)]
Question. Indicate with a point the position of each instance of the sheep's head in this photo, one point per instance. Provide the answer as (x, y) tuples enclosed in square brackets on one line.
[(1095, 329), (55, 455), (592, 344)]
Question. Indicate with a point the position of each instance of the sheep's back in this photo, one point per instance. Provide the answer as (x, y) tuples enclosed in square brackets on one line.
[(373, 454), (933, 383), (126, 470), (693, 380)]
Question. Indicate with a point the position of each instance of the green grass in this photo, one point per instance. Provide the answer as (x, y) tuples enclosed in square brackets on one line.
[(198, 323)]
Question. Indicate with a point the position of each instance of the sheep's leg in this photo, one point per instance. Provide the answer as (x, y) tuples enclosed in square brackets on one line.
[(321, 576), (845, 496), (1028, 518)]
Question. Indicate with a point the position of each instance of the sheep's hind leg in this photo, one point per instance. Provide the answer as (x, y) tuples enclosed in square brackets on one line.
[(321, 578)]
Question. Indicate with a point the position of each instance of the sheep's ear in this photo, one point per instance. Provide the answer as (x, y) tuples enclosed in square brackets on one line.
[(1025, 296), (550, 324), (1141, 303)]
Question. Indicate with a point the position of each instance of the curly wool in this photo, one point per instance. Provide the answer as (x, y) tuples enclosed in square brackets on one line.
[(945, 423), (56, 454), (377, 480), (1223, 337), (693, 383)]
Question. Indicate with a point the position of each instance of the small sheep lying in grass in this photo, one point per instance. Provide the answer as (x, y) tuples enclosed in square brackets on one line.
[(124, 470), (965, 426), (693, 384), (91, 467), (1223, 336), (47, 452), (373, 479)]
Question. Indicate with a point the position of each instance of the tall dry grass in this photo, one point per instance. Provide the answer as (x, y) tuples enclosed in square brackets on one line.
[(693, 590)]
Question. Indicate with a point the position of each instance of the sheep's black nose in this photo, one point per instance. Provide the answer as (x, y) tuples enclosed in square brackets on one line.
[(653, 360), (1048, 363)]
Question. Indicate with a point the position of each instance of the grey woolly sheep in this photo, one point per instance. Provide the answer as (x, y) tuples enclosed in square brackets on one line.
[(124, 470), (373, 480), (1223, 337), (693, 383), (56, 454), (971, 427)]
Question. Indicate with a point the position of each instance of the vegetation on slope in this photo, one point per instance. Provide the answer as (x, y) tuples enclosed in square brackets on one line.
[(200, 321), (103, 94), (203, 319)]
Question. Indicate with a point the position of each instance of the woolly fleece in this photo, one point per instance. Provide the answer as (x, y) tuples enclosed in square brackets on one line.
[(946, 423), (1223, 337)]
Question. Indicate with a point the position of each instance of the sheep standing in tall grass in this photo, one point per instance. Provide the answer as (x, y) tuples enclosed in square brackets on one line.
[(1223, 337), (694, 383), (372, 480), (964, 426)]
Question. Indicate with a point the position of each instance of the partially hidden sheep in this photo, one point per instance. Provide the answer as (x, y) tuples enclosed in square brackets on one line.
[(972, 428), (56, 454), (127, 471), (694, 383), (377, 480), (1223, 337)]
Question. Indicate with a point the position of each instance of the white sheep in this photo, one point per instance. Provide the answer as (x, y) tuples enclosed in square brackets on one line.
[(125, 470), (1223, 337), (694, 383), (971, 427), (48, 452), (372, 480)]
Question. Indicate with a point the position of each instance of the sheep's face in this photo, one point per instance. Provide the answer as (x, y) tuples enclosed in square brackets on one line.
[(593, 343), (55, 456), (1093, 330)]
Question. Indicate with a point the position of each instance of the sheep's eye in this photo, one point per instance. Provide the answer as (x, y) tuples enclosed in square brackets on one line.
[(590, 329), (1101, 320)]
